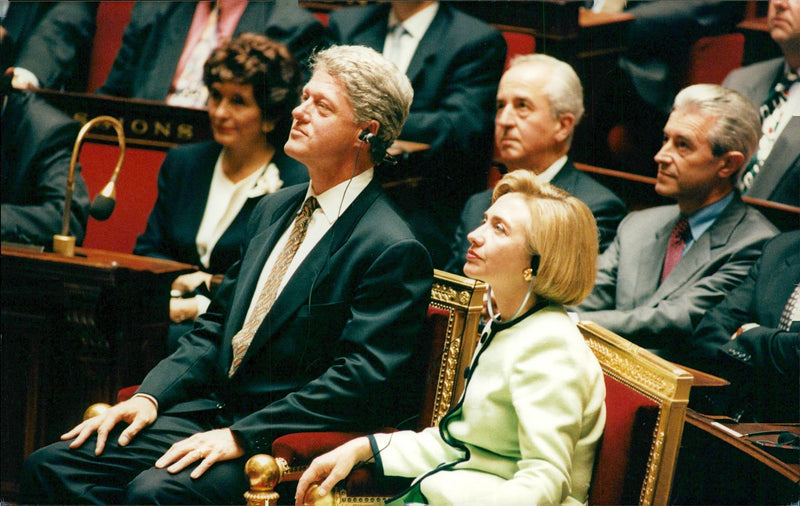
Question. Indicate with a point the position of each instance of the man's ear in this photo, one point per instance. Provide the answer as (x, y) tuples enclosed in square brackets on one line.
[(566, 125), (730, 164)]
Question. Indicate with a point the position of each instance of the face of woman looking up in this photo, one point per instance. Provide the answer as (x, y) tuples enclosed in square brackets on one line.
[(235, 116), (498, 248)]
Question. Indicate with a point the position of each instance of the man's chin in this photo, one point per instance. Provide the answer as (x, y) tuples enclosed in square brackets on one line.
[(664, 190)]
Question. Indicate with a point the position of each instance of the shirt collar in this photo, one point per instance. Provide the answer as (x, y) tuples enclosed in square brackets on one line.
[(417, 24), (703, 218), (551, 171), (335, 201)]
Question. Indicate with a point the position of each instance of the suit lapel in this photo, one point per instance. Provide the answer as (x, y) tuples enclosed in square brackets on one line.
[(566, 178), (314, 268), (371, 32), (783, 155), (253, 263), (173, 38), (699, 255), (200, 185), (430, 45), (650, 266)]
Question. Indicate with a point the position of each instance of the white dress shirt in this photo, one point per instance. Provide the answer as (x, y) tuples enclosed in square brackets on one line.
[(332, 204), (399, 47)]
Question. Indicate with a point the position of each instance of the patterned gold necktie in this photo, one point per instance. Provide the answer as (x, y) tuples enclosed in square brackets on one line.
[(241, 341)]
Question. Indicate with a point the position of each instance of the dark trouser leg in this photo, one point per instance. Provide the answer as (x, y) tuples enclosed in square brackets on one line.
[(57, 474), (224, 483)]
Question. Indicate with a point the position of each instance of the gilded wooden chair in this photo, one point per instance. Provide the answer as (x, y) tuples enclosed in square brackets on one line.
[(646, 399), (452, 326)]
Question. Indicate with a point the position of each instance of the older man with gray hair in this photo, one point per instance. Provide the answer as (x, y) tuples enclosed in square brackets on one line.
[(539, 103), (669, 264), (316, 328)]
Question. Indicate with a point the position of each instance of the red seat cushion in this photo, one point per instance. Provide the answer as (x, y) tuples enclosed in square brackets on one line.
[(624, 449), (126, 393)]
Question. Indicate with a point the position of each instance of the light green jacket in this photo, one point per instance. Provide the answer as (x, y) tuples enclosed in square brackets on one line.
[(526, 429)]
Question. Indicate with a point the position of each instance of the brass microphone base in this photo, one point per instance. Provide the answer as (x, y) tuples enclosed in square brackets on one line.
[(64, 245)]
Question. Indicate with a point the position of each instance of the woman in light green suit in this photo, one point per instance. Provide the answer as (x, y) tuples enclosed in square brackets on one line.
[(528, 425)]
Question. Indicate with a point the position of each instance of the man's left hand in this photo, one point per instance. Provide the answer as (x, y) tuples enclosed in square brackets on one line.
[(208, 447)]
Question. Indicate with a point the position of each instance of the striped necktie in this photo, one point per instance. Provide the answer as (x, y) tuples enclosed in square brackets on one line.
[(777, 97), (791, 310), (241, 341)]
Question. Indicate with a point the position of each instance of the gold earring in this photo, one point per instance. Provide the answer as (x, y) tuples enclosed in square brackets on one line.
[(527, 274)]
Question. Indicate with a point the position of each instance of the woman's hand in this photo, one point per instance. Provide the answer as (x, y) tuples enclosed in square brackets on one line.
[(186, 283), (332, 467), (182, 309)]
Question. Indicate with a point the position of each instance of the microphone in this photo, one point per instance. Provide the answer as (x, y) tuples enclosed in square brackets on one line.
[(103, 204), (102, 207)]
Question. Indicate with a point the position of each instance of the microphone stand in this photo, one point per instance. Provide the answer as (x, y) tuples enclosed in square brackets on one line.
[(64, 243)]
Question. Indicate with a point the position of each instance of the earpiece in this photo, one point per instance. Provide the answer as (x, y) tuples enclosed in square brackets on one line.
[(377, 147), (535, 263), (366, 136)]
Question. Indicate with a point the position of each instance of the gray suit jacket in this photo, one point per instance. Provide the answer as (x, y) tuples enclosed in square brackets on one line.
[(627, 297), (779, 178)]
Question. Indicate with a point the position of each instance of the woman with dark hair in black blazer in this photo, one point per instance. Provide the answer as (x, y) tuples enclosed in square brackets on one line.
[(207, 191)]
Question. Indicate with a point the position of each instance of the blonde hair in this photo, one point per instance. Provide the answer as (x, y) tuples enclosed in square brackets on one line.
[(562, 231)]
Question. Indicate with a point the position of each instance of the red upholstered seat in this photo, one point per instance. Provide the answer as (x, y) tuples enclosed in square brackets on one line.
[(712, 58), (518, 42), (622, 457)]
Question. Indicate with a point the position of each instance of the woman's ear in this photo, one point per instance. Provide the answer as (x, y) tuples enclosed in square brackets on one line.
[(267, 126)]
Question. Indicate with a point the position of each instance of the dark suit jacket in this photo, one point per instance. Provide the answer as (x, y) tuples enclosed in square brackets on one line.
[(154, 38), (779, 178), (53, 40), (335, 351), (627, 297), (183, 184), (454, 73), (762, 363), (37, 142), (607, 208)]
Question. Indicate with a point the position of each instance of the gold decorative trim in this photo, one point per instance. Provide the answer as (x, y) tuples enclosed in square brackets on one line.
[(447, 373), (635, 372), (340, 498)]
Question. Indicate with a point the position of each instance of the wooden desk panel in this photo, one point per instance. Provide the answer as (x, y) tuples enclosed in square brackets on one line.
[(717, 466), (74, 331)]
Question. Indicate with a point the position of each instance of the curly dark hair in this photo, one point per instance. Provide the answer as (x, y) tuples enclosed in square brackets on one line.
[(267, 65)]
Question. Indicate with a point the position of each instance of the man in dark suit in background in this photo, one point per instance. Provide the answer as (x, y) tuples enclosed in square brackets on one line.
[(52, 41), (35, 155), (157, 47), (454, 62), (773, 85), (539, 103), (752, 338), (309, 333)]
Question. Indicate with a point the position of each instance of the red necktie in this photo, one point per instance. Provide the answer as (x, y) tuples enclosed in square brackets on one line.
[(241, 341), (675, 246)]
